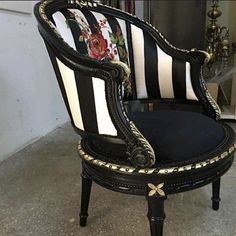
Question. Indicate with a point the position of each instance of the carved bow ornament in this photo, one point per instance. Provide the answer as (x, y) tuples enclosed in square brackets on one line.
[(156, 189)]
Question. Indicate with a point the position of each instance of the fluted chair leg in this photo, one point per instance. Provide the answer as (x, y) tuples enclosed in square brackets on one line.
[(85, 197), (216, 194), (156, 214)]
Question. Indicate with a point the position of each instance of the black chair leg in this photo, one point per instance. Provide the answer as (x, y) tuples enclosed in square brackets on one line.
[(216, 194), (85, 197), (156, 214)]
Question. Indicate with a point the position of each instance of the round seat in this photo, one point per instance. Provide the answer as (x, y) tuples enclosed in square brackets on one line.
[(176, 178), (179, 139), (182, 136), (192, 150)]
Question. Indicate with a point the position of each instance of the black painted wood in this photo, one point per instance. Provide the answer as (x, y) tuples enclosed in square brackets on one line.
[(216, 194), (156, 214), (134, 182), (85, 197)]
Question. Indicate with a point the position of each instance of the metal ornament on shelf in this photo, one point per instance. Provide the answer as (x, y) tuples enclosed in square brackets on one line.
[(220, 69), (217, 38)]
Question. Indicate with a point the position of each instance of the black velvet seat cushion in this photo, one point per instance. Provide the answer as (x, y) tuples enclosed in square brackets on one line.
[(179, 135)]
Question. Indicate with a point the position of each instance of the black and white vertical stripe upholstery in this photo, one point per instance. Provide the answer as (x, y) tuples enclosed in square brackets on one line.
[(85, 96), (155, 74)]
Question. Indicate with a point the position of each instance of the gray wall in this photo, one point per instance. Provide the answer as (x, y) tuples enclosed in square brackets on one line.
[(30, 101), (139, 5)]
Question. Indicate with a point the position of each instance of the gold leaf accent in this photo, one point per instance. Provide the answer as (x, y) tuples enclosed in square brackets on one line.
[(161, 192), (152, 193), (123, 168), (156, 189), (152, 186), (127, 73)]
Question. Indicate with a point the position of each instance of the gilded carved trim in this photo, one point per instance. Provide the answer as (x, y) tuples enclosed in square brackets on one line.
[(148, 171), (143, 143), (212, 102), (127, 73), (156, 190)]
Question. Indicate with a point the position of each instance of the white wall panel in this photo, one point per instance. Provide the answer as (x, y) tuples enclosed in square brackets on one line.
[(18, 6), (30, 101)]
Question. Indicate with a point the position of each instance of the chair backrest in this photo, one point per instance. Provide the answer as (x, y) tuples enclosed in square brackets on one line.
[(103, 32)]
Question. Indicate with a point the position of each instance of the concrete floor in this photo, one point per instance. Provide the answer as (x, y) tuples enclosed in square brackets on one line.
[(40, 196)]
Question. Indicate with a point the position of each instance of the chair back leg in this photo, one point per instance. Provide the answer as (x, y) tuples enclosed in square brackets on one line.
[(85, 197), (216, 194)]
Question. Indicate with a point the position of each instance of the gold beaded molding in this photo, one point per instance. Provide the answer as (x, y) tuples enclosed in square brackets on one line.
[(159, 171), (211, 100)]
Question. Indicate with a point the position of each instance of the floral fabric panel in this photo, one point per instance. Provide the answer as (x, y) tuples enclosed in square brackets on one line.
[(102, 35)]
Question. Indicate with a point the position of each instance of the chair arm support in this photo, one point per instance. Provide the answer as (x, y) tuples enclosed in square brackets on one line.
[(207, 55), (140, 152), (210, 107), (196, 58)]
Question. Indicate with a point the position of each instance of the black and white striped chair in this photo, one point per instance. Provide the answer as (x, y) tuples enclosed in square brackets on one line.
[(128, 92)]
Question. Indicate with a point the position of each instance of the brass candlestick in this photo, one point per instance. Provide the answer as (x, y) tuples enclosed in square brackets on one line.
[(217, 38)]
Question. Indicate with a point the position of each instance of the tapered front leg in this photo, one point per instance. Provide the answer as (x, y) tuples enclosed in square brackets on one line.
[(216, 194), (156, 214), (85, 197)]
